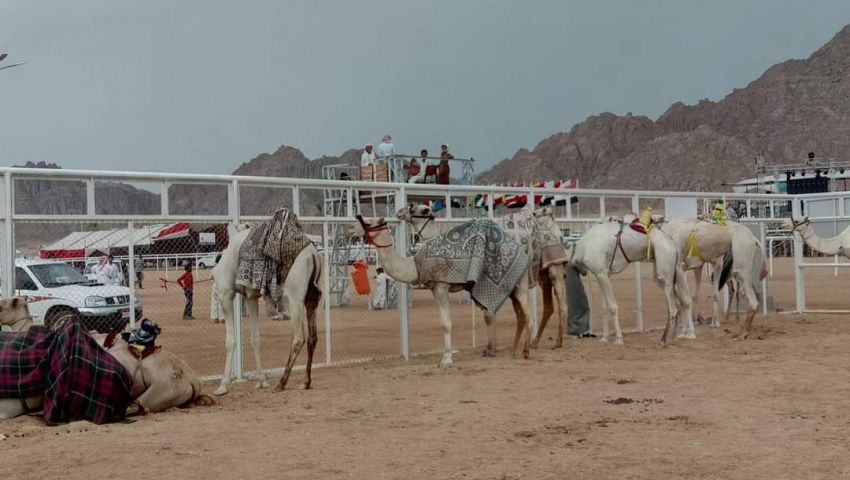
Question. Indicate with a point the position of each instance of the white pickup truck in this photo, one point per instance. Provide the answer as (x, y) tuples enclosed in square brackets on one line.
[(54, 289)]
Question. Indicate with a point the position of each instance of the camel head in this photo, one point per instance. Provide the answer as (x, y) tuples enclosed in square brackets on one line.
[(544, 212), (658, 219), (796, 224), (359, 228), (14, 310), (411, 211)]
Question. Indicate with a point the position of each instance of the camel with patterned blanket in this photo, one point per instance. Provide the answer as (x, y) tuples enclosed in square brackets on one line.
[(732, 249), (543, 244), (476, 256), (160, 380), (302, 292), (608, 248)]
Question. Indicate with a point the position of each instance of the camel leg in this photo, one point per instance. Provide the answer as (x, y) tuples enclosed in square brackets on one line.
[(312, 339), (752, 300), (546, 286), (253, 307), (298, 316), (490, 321), (611, 308), (226, 299), (441, 296), (558, 286), (716, 304), (683, 297), (695, 295), (523, 323)]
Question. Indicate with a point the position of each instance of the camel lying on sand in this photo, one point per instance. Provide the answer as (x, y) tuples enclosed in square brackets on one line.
[(161, 380)]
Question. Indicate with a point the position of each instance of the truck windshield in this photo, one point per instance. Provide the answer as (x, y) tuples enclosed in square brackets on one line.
[(57, 274)]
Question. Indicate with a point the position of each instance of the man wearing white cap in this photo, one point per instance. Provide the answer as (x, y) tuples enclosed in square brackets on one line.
[(368, 157), (386, 149)]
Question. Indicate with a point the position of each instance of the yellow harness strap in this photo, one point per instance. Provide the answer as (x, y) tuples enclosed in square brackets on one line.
[(649, 242), (693, 248)]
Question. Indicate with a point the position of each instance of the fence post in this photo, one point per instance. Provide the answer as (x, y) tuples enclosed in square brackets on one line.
[(8, 268), (234, 212), (638, 275), (326, 285), (798, 260), (403, 292), (764, 293), (131, 276)]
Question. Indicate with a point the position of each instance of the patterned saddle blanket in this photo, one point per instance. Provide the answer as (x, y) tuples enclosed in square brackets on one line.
[(79, 380), (522, 227), (268, 253), (479, 254)]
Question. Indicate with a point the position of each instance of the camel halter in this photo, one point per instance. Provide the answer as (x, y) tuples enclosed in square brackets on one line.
[(368, 232), (418, 232), (22, 324), (805, 223)]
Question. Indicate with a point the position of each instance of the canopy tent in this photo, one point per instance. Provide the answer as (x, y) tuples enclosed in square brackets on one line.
[(178, 230), (82, 244)]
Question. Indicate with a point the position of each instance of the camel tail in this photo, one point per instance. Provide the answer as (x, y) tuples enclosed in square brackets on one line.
[(763, 273), (726, 272), (316, 277)]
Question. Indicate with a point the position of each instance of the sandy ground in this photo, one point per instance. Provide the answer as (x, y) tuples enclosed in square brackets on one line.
[(772, 407)]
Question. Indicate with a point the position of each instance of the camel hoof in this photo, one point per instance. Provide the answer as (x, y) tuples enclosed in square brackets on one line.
[(557, 347), (489, 353), (534, 345), (525, 354), (603, 340), (304, 386), (222, 390), (261, 384), (618, 341), (278, 388)]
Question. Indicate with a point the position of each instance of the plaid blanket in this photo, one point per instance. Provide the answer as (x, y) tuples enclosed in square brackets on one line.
[(477, 253), (268, 253), (79, 380), (523, 228)]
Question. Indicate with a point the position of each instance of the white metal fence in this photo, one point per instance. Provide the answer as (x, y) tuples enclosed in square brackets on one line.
[(351, 329)]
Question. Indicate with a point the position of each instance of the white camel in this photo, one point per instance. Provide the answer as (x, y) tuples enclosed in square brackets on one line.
[(161, 380), (301, 291), (550, 274), (607, 249), (837, 245), (403, 269), (732, 249)]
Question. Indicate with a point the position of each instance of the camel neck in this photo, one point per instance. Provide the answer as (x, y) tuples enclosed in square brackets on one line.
[(399, 268)]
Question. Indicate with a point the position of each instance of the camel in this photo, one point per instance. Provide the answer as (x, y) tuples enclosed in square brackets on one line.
[(301, 291), (403, 269), (609, 247), (731, 249), (161, 380), (837, 245), (549, 274)]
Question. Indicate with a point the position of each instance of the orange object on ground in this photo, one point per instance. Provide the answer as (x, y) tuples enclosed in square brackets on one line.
[(360, 276)]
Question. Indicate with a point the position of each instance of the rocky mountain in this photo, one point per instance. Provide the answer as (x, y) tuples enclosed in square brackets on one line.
[(794, 107)]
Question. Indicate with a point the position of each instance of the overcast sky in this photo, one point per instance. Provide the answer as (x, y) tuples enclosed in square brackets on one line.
[(202, 85)]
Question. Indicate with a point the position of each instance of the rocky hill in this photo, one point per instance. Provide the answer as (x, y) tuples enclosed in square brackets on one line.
[(794, 107)]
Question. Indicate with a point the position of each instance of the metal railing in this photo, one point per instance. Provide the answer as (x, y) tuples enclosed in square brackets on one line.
[(593, 205)]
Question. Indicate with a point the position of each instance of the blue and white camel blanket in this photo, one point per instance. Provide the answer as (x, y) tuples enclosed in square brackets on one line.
[(479, 254)]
